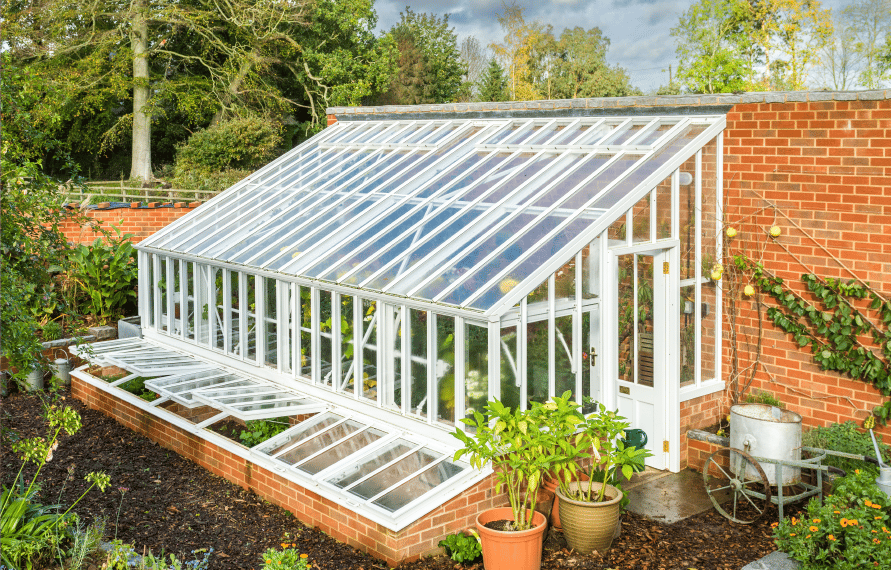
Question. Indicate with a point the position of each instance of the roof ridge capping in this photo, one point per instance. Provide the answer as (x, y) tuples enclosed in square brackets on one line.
[(613, 103)]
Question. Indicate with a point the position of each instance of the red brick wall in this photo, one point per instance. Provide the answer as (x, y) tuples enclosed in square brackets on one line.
[(821, 171), (141, 222), (418, 539), (698, 413)]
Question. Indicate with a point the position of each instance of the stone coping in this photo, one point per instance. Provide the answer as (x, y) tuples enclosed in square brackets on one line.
[(702, 435), (609, 103)]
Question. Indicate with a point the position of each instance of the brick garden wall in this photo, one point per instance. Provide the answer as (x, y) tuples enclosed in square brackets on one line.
[(142, 221), (418, 539)]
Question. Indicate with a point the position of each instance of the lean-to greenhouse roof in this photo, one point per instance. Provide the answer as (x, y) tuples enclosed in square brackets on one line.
[(469, 214)]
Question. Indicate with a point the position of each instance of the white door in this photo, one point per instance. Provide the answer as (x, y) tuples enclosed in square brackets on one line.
[(641, 356)]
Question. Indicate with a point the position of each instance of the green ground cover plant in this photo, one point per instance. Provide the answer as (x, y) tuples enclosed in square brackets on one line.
[(287, 558), (847, 438), (258, 431), (461, 547)]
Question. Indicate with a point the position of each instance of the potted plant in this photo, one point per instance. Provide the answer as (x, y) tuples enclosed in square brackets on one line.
[(589, 504), (512, 441)]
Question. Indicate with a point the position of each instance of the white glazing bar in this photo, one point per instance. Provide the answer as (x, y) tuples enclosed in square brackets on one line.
[(170, 283), (295, 330), (156, 287), (316, 338), (521, 353), (311, 436), (336, 341), (629, 227), (318, 218), (494, 360), (653, 214), (460, 351), (507, 177), (386, 369), (552, 336), (635, 374), (243, 310), (358, 346), (331, 446), (431, 367), (406, 479), (250, 215), (719, 232), (697, 265), (260, 323), (227, 311), (379, 371), (142, 279), (504, 303), (675, 204), (405, 348), (213, 324), (577, 324), (416, 447), (237, 190), (643, 132), (281, 326), (300, 263), (428, 201), (464, 245)]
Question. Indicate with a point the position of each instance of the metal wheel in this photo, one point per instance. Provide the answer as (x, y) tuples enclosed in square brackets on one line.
[(737, 485)]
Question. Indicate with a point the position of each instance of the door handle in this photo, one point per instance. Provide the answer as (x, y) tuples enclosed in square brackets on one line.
[(592, 356)]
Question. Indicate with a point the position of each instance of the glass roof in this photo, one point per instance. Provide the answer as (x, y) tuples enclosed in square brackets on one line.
[(440, 211)]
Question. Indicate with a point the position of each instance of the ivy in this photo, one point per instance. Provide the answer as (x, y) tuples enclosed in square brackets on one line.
[(833, 327)]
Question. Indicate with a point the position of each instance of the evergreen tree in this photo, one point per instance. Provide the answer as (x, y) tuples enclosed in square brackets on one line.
[(493, 85)]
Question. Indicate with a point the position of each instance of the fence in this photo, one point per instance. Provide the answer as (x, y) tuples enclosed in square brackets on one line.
[(121, 191)]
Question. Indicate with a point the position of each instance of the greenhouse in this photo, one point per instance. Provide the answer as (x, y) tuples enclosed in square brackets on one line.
[(386, 278)]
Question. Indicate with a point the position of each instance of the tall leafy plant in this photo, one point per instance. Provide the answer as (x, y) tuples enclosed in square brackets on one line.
[(105, 274)]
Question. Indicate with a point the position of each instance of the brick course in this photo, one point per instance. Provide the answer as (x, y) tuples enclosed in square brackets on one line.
[(140, 222)]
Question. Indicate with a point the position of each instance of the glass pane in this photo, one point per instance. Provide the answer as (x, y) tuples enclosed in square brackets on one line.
[(347, 364), (653, 134), (419, 400), (510, 374), (176, 321), (663, 209), (564, 365), (393, 394), (564, 282), (591, 270), (394, 474), (162, 289), (204, 293), (418, 486), (445, 369), (524, 135), (644, 320), (707, 351), (251, 310), (688, 335), (589, 359), (369, 350), (149, 292), (321, 441), (342, 450), (271, 340), (568, 135), (302, 431), (371, 463), (641, 220), (325, 342), (621, 136), (537, 345), (218, 316), (626, 317), (235, 306), (476, 370)]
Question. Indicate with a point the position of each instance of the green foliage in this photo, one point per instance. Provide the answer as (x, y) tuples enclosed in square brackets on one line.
[(122, 556), (849, 531), (833, 327), (32, 532), (105, 275), (766, 398), (52, 331), (284, 559), (429, 67), (461, 547), (493, 84), (847, 439), (85, 540), (259, 431), (241, 144)]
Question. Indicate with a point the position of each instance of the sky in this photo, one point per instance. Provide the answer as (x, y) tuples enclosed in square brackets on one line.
[(639, 30)]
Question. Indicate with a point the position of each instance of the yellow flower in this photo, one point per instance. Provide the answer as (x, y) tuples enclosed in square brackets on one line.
[(831, 537), (791, 534), (853, 522), (774, 525), (844, 522), (867, 502), (875, 506), (794, 521), (877, 518), (284, 545), (816, 520), (857, 471), (876, 540), (813, 529), (808, 536), (269, 562), (307, 555), (837, 512)]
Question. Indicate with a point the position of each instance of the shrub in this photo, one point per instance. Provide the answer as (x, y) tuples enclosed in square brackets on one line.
[(104, 276), (238, 144), (847, 439), (52, 331), (762, 397), (851, 530)]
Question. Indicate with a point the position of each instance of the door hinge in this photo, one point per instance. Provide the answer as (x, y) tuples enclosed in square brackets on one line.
[(665, 267), (665, 446)]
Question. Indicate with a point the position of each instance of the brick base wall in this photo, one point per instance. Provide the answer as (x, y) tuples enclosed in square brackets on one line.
[(140, 222), (418, 539), (698, 413)]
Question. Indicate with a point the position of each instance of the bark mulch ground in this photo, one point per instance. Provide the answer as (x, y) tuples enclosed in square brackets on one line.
[(162, 502)]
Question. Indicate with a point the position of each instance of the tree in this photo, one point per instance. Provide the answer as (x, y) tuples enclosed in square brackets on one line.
[(429, 66), (713, 48), (475, 61), (579, 67), (868, 22), (133, 63), (802, 28), (515, 53), (493, 85), (840, 60)]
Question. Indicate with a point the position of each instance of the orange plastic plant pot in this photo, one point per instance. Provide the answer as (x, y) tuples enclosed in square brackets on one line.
[(511, 550)]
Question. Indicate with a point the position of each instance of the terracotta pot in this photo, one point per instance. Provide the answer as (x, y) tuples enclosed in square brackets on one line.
[(550, 484), (590, 526), (511, 550)]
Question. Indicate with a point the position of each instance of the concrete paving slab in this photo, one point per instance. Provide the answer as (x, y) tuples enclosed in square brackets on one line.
[(773, 561), (668, 498)]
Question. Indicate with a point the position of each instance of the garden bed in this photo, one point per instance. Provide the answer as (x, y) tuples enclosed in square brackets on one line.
[(166, 503)]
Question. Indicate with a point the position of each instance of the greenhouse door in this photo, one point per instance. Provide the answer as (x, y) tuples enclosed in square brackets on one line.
[(641, 356)]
